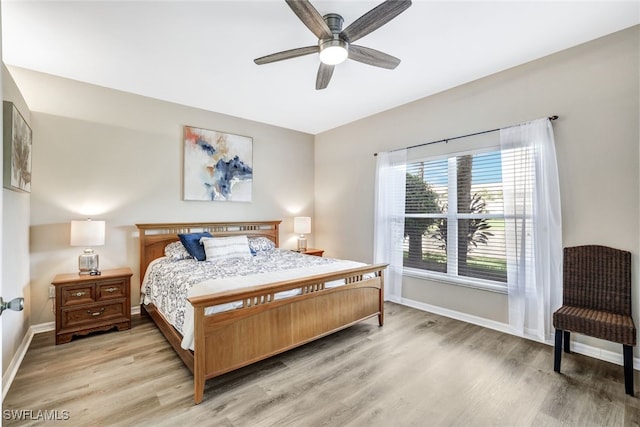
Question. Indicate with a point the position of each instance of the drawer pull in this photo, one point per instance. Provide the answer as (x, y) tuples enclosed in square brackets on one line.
[(96, 313), (111, 290), (78, 294)]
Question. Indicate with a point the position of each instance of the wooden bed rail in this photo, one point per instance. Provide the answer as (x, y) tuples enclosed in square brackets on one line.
[(311, 283)]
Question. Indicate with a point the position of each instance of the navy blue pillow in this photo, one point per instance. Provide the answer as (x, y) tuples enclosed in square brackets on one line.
[(191, 242)]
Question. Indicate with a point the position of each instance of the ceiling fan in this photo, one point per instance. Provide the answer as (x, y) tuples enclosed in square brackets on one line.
[(334, 43)]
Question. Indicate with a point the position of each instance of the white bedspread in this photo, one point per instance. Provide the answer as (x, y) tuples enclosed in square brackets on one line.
[(238, 282)]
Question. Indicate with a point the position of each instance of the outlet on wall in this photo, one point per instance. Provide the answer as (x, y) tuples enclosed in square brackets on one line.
[(52, 291)]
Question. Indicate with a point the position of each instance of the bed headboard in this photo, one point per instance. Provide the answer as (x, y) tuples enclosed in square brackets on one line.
[(154, 237)]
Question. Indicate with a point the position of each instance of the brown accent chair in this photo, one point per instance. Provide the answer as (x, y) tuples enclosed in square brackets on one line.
[(596, 301)]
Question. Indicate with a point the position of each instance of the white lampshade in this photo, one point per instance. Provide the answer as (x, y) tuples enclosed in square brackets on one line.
[(302, 225), (87, 233)]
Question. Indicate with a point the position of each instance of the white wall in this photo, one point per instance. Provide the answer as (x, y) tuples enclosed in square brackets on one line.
[(15, 245), (594, 89), (118, 157)]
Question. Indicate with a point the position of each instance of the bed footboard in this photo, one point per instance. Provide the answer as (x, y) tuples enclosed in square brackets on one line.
[(264, 326)]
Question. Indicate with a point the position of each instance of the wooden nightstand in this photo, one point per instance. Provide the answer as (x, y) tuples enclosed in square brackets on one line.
[(312, 251), (86, 304)]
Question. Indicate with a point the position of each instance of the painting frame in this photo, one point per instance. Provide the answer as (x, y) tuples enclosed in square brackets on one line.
[(17, 149), (217, 166)]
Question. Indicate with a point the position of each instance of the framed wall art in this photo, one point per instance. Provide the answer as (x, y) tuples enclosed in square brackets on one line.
[(217, 165), (17, 150)]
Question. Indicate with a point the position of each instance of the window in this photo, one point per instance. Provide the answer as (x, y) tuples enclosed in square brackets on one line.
[(454, 217), (488, 218)]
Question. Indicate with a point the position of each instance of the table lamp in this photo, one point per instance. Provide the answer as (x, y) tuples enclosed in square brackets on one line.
[(88, 233), (302, 226)]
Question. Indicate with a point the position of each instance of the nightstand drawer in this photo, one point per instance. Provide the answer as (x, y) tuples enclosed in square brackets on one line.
[(110, 290), (86, 304), (74, 295), (92, 314)]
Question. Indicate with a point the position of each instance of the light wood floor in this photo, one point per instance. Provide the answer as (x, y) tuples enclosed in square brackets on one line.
[(419, 369)]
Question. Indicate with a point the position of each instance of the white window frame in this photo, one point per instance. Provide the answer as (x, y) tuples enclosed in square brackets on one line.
[(452, 216)]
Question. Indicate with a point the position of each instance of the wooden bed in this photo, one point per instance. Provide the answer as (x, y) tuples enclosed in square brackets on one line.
[(263, 326)]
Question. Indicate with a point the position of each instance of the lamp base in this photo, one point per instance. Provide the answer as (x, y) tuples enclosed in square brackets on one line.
[(302, 244), (88, 263)]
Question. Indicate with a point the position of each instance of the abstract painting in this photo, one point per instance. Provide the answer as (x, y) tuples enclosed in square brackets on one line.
[(217, 165), (17, 150)]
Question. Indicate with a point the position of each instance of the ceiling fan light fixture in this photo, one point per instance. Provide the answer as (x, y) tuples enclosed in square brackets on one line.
[(335, 44), (333, 52)]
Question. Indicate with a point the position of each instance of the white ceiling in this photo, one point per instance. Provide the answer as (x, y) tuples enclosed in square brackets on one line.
[(200, 53)]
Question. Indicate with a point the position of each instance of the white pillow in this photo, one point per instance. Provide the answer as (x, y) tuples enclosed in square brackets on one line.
[(220, 248)]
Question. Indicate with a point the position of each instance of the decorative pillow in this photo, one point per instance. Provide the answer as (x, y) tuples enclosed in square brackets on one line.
[(191, 242), (257, 244), (177, 251), (220, 248)]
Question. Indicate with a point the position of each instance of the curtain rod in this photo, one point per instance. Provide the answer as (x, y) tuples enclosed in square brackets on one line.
[(455, 137)]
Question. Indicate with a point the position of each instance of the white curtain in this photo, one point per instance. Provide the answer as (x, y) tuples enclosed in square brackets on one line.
[(533, 227), (389, 218)]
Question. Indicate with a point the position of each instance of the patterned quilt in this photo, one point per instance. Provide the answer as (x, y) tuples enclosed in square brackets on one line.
[(167, 282)]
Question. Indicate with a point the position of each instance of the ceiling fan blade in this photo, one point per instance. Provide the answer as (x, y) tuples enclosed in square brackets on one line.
[(310, 17), (286, 54), (373, 57), (324, 75), (374, 19)]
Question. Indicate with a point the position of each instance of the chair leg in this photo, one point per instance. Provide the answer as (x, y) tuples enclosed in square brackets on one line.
[(557, 353), (627, 352), (567, 342)]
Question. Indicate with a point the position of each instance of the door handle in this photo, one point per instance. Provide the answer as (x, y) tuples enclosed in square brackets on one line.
[(16, 304)]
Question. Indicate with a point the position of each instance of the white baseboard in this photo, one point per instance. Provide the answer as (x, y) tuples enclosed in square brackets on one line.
[(12, 369), (576, 347), (16, 361), (43, 327)]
